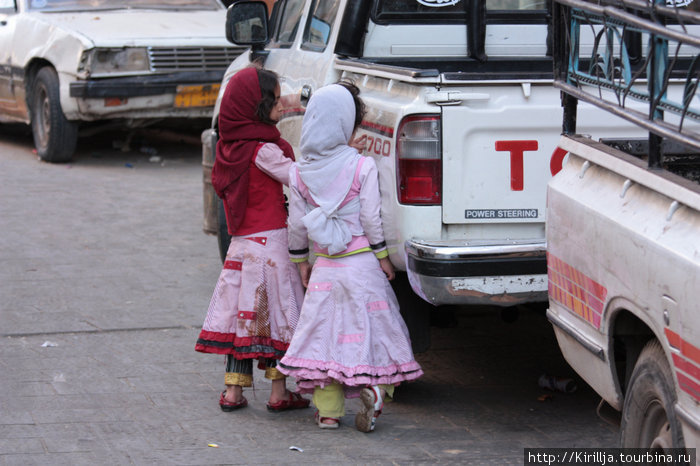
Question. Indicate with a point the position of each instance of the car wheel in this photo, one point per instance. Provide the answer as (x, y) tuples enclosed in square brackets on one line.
[(648, 416), (222, 235), (55, 137), (415, 312)]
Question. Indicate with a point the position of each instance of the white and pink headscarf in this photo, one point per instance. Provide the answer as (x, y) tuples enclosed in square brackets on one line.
[(327, 165)]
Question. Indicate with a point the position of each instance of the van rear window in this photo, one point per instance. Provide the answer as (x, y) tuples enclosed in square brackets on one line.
[(451, 11)]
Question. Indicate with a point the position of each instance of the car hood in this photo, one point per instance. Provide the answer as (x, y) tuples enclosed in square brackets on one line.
[(107, 28)]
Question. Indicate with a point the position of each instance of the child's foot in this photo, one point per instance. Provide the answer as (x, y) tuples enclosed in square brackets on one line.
[(231, 405), (326, 422), (292, 401), (372, 404)]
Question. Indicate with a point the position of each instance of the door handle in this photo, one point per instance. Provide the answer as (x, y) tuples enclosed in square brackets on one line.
[(305, 95)]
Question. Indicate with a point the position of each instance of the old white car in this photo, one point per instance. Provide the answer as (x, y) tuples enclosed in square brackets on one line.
[(63, 62)]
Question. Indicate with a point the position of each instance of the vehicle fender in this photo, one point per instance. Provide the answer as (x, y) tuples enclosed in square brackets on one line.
[(236, 65), (655, 328), (61, 49), (584, 348)]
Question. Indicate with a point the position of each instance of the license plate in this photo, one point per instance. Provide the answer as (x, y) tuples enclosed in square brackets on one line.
[(196, 96)]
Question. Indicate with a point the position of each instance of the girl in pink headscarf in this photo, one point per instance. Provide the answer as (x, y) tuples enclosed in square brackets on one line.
[(256, 303), (351, 340)]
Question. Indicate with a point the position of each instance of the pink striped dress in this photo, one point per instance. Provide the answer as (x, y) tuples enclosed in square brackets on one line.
[(350, 330)]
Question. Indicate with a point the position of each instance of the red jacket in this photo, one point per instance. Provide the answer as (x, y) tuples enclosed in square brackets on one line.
[(265, 208)]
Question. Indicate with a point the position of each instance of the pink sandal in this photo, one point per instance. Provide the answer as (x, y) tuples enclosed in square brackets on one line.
[(323, 425), (295, 401)]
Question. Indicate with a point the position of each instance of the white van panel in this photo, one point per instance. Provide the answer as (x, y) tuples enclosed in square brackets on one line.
[(433, 40)]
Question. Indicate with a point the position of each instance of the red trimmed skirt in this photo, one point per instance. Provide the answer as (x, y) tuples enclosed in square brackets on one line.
[(256, 303)]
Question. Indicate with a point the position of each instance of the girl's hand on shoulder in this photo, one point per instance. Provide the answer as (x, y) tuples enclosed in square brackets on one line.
[(291, 101), (387, 268), (358, 143), (304, 272)]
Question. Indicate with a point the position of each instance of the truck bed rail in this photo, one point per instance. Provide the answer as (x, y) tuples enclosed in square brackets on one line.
[(621, 70)]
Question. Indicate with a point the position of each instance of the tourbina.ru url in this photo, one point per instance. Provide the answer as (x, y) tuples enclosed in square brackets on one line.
[(608, 456)]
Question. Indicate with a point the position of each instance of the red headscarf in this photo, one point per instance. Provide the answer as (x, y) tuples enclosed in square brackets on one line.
[(240, 132)]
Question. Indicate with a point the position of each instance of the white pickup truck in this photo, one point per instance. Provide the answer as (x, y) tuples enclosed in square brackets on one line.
[(623, 228), (463, 124)]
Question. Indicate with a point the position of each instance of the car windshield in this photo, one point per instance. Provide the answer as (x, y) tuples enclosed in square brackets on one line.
[(80, 5)]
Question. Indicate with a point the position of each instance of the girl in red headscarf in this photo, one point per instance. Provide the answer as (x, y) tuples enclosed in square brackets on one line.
[(256, 302)]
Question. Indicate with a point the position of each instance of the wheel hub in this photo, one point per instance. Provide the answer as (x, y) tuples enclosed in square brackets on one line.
[(663, 440), (44, 116)]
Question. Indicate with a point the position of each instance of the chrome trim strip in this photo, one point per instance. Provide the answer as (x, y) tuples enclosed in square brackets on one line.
[(691, 420), (583, 340)]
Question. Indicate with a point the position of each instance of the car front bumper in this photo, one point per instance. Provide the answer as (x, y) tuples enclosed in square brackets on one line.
[(140, 86), (174, 95)]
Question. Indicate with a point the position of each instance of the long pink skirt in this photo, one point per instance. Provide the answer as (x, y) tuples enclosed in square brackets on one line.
[(257, 300), (350, 330)]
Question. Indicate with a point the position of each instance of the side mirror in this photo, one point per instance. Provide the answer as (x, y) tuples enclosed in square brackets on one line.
[(246, 24)]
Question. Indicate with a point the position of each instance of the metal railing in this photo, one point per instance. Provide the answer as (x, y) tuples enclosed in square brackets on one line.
[(640, 50)]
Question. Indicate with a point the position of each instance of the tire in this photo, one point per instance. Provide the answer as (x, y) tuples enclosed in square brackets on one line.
[(222, 235), (648, 416), (415, 312), (55, 138)]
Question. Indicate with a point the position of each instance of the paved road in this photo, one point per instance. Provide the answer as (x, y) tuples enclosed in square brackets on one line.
[(105, 277)]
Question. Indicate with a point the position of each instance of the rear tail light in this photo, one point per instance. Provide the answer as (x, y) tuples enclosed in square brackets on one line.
[(419, 157)]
